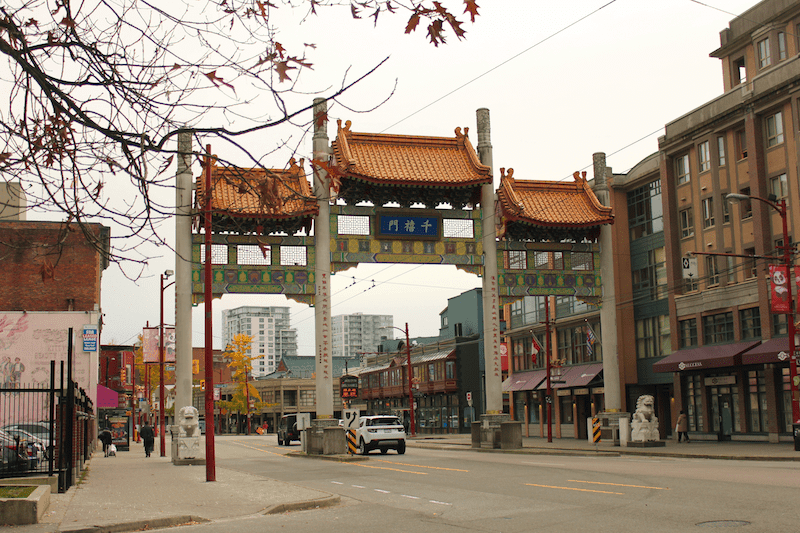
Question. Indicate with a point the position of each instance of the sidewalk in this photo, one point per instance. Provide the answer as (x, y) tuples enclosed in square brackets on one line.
[(700, 449), (130, 492)]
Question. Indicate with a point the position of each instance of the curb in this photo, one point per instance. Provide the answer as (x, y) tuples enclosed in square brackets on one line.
[(606, 453), (328, 501), (137, 525)]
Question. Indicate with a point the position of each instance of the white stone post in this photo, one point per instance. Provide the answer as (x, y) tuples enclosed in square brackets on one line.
[(183, 275), (491, 299), (322, 270)]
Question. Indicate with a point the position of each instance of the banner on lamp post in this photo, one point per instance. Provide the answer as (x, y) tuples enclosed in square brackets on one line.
[(779, 288)]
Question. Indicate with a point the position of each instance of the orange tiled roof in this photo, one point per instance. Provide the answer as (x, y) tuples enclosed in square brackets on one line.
[(551, 203), (258, 193), (409, 159)]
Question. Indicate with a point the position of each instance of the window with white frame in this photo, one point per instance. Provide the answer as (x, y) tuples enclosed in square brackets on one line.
[(712, 274), (721, 150), (687, 222), (517, 260), (764, 59), (682, 173), (708, 212), (781, 46), (775, 129), (726, 209), (779, 186), (704, 156)]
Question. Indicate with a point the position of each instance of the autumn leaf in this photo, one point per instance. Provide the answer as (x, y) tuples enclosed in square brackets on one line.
[(32, 22), (282, 68), (354, 11), (413, 22), (321, 118), (280, 49), (4, 157), (471, 7), (68, 22), (435, 32), (264, 250), (216, 80), (389, 7)]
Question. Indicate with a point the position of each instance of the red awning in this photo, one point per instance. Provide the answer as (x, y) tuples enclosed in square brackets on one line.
[(768, 352), (582, 375), (717, 356), (523, 380)]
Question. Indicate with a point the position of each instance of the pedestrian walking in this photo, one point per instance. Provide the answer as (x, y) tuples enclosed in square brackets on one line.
[(682, 426), (105, 437), (148, 437)]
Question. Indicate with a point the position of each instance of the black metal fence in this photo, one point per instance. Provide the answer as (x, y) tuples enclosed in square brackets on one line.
[(45, 428)]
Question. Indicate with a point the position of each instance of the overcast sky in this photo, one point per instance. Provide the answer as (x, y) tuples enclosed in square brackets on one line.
[(562, 80)]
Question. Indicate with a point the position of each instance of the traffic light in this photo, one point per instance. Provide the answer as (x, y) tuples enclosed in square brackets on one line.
[(123, 375), (202, 384)]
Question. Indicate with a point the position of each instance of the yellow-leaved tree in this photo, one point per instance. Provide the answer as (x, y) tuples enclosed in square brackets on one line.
[(240, 362)]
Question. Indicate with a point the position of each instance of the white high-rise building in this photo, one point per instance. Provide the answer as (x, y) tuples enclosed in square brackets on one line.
[(357, 333), (272, 335)]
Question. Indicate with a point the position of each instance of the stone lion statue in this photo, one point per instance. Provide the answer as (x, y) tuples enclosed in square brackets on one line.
[(644, 425), (188, 422)]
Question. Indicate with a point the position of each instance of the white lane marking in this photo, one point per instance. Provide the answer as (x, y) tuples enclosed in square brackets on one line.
[(337, 482), (382, 491), (359, 486), (439, 503), (411, 497)]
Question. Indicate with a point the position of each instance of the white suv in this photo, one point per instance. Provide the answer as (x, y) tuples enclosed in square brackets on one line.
[(382, 432)]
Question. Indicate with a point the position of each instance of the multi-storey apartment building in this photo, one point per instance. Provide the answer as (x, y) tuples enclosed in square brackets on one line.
[(270, 327), (729, 373), (356, 334)]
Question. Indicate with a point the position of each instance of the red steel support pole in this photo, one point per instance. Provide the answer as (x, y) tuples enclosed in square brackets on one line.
[(412, 425), (549, 392)]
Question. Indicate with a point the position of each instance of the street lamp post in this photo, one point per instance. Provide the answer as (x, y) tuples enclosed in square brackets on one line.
[(412, 425), (780, 207), (165, 275)]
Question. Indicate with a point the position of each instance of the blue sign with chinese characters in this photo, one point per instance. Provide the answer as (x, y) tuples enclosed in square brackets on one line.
[(404, 225)]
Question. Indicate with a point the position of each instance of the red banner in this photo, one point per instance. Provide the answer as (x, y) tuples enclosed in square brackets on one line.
[(779, 289)]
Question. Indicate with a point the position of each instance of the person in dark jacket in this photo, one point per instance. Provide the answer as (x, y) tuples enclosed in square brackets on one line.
[(105, 438), (148, 437)]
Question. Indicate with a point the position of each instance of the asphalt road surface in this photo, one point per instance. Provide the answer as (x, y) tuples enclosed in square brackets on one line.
[(446, 490)]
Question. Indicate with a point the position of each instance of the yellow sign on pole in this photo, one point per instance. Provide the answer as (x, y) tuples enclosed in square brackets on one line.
[(595, 430)]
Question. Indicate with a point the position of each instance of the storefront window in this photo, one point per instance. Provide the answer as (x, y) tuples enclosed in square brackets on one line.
[(786, 404), (694, 403), (757, 401), (566, 409)]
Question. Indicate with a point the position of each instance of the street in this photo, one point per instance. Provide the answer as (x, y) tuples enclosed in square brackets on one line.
[(442, 490)]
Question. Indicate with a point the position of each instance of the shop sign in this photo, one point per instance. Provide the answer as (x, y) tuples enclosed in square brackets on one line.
[(580, 392), (563, 392), (720, 380), (599, 390)]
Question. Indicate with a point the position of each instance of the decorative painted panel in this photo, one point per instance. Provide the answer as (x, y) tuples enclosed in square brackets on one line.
[(287, 267)]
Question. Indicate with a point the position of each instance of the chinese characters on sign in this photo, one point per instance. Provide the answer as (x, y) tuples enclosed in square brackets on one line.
[(349, 387), (396, 225)]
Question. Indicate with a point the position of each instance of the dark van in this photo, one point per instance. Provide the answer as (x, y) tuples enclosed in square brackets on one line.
[(287, 430)]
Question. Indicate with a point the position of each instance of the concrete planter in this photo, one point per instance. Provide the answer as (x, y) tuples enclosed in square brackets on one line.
[(16, 511)]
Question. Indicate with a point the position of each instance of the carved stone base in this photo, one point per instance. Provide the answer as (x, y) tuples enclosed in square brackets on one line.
[(188, 447), (647, 444)]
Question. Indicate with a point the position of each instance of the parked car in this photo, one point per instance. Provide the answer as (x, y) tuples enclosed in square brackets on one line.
[(40, 430), (39, 445), (381, 432), (13, 453), (287, 430)]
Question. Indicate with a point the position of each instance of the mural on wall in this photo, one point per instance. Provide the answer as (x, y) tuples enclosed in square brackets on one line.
[(29, 341)]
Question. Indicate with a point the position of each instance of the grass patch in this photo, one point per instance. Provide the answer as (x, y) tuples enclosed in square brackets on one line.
[(16, 492)]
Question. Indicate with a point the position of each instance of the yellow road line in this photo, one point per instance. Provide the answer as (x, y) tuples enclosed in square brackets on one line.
[(384, 468), (573, 488), (420, 466), (617, 484), (259, 449)]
